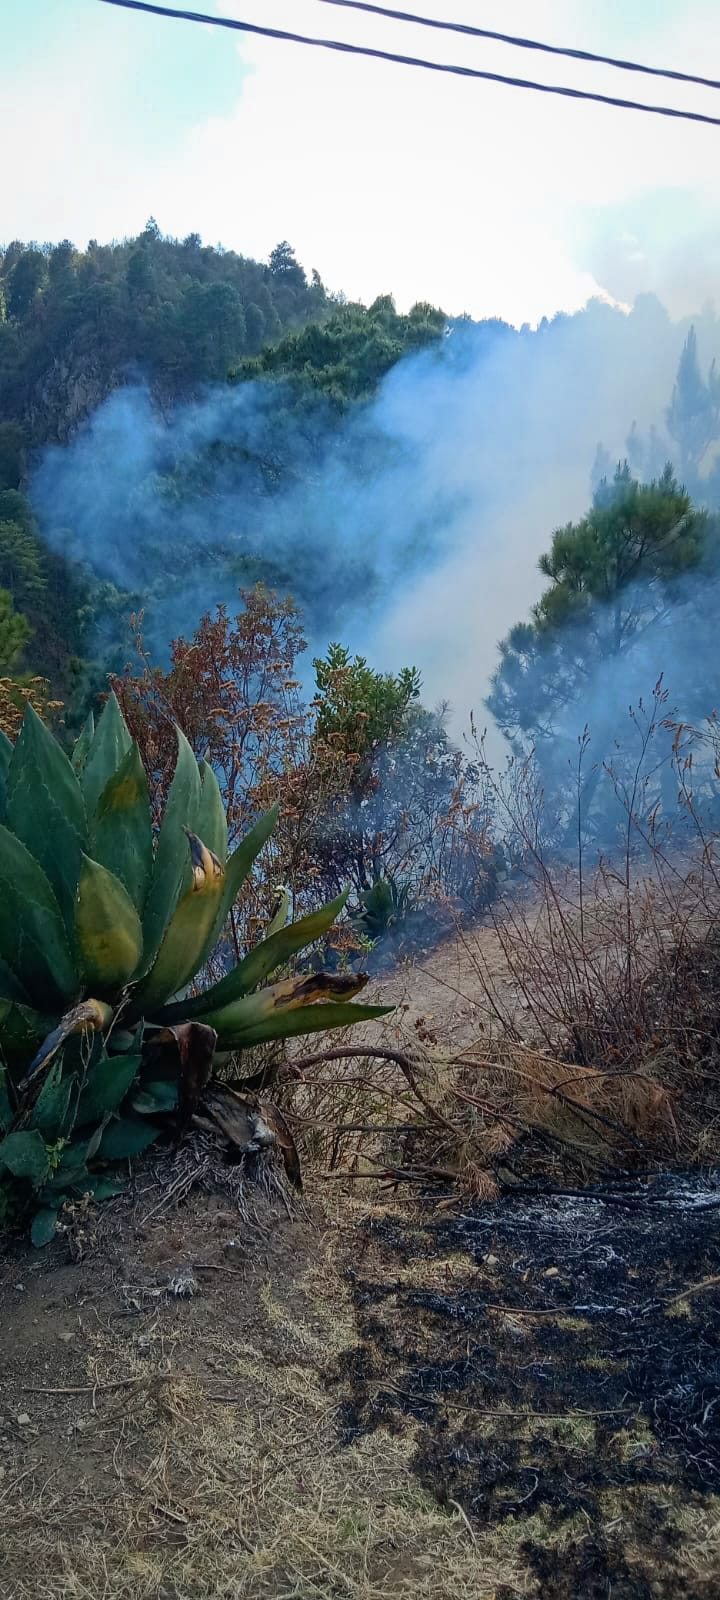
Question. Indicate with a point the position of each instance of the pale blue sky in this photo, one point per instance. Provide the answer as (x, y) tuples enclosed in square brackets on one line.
[(479, 197), (156, 78)]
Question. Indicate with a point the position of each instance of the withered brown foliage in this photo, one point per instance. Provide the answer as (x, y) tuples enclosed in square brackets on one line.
[(16, 694), (234, 692)]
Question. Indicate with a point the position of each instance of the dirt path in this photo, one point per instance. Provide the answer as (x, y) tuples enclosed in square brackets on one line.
[(447, 1000), (443, 992), (359, 1402), (174, 1448)]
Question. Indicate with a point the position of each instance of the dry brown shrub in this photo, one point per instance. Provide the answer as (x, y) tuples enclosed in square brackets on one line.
[(233, 691), (16, 694)]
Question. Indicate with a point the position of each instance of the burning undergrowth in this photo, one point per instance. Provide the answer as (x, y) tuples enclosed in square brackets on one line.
[(558, 1360)]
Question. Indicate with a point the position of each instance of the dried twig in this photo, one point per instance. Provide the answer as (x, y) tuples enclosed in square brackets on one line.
[(378, 1053), (95, 1388)]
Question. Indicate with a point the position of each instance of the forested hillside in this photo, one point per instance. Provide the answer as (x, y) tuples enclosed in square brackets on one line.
[(344, 355), (189, 423), (75, 323), (176, 317)]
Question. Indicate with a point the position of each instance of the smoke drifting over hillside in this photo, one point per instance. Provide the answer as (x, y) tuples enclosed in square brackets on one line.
[(412, 529)]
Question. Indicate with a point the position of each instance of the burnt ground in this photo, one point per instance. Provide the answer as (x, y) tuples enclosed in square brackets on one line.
[(366, 1399), (561, 1358)]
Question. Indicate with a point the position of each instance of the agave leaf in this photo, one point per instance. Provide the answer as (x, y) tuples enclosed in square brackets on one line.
[(264, 1015), (81, 747), (193, 1046), (91, 1016), (257, 965), (33, 938), (44, 1226), (300, 1020), (6, 751), (51, 1107), (22, 1030), (105, 1188), (6, 1111), (95, 1139), (211, 822), (285, 1141), (236, 872), (71, 1171), (11, 987), (279, 920), (125, 1137), (378, 901), (71, 1114), (186, 935), (111, 741), (75, 1181), (243, 858), (25, 1156), (45, 808), (108, 930), (287, 995), (106, 1087), (121, 837), (124, 1040), (155, 1099), (171, 860)]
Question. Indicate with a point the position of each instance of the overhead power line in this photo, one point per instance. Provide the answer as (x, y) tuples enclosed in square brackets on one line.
[(411, 61), (522, 44)]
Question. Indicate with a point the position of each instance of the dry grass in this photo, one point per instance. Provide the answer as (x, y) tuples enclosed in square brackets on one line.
[(250, 1495), (196, 1449), (588, 1039), (368, 1532), (180, 1469)]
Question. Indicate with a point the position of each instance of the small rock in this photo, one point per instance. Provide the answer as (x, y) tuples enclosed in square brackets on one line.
[(23, 1419), (491, 1261), (20, 1287), (551, 1272)]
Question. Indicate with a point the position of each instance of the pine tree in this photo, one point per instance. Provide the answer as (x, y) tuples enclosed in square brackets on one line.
[(693, 415), (14, 633), (611, 577), (21, 572)]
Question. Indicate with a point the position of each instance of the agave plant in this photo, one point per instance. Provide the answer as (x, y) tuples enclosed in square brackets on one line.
[(383, 907), (105, 928)]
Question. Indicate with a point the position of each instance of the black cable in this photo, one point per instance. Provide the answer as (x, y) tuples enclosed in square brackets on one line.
[(410, 61), (523, 44)]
